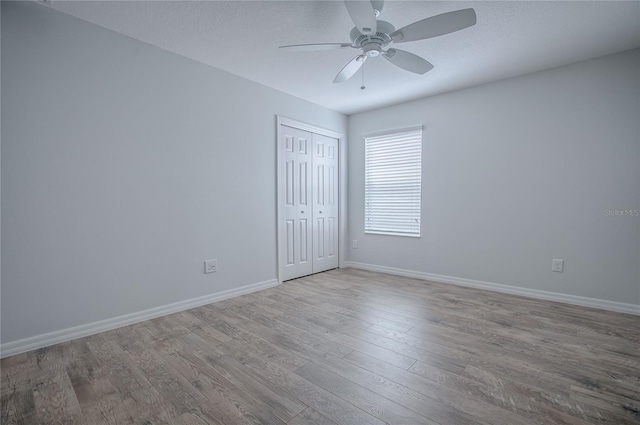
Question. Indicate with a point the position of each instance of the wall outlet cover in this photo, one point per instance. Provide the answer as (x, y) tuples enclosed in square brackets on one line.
[(211, 266), (557, 265)]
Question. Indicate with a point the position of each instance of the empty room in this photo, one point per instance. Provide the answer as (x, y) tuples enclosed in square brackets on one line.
[(320, 212)]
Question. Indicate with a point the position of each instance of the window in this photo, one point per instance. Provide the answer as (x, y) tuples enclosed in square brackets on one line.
[(392, 183)]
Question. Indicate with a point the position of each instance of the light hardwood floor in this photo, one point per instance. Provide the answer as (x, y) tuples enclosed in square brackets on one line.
[(342, 347)]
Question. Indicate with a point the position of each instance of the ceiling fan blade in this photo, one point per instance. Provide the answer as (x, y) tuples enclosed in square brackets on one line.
[(313, 47), (363, 15), (408, 61), (350, 69), (435, 26)]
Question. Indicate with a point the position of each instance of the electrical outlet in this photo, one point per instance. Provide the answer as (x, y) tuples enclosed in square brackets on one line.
[(211, 266), (354, 244), (557, 265)]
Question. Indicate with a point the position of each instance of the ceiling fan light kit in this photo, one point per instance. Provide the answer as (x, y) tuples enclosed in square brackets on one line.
[(372, 36)]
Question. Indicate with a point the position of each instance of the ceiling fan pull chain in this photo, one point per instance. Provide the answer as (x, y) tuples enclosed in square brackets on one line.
[(362, 87)]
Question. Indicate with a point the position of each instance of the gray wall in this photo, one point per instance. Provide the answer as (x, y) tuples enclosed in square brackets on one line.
[(124, 167), (516, 173)]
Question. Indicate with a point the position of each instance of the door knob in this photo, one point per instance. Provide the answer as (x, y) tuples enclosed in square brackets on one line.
[(301, 212)]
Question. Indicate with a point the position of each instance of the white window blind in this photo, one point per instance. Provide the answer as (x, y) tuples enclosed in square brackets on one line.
[(393, 170)]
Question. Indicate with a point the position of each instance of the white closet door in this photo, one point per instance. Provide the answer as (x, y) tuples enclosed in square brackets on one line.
[(296, 203), (325, 203)]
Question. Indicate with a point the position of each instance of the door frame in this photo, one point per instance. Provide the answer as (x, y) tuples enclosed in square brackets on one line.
[(342, 189)]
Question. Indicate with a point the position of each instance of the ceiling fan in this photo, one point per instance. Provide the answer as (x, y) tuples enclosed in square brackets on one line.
[(372, 37)]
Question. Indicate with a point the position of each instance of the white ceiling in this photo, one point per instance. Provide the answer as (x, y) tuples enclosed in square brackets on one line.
[(242, 37)]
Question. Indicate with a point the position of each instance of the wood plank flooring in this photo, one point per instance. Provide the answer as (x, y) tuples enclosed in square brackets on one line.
[(342, 347)]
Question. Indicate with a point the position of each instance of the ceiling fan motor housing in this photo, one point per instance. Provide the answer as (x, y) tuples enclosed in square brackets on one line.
[(372, 44)]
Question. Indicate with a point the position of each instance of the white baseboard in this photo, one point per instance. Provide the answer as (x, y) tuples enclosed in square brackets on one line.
[(56, 337), (525, 292)]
